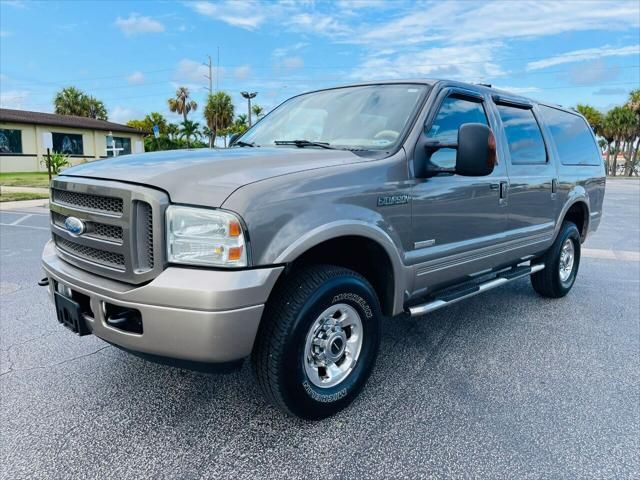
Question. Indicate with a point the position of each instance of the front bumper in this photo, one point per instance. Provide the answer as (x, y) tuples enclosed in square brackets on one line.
[(198, 315)]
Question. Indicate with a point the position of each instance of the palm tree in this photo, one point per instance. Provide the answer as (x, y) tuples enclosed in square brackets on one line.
[(241, 120), (181, 104), (593, 116), (621, 125), (218, 112), (190, 129), (633, 104), (73, 101), (172, 130), (258, 111)]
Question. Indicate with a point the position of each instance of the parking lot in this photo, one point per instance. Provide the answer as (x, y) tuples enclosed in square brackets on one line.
[(503, 385)]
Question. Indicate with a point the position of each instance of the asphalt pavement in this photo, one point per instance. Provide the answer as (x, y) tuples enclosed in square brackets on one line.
[(503, 385)]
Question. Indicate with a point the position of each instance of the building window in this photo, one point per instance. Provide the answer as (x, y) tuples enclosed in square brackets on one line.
[(121, 142), (67, 143), (10, 141)]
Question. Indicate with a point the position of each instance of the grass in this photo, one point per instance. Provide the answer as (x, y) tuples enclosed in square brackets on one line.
[(16, 196), (25, 179)]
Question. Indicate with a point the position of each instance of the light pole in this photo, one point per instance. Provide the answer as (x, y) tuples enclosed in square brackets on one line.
[(249, 96)]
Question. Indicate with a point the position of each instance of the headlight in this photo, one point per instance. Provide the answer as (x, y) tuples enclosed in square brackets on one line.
[(197, 236)]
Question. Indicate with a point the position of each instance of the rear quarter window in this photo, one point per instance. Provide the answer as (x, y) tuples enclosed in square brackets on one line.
[(572, 136)]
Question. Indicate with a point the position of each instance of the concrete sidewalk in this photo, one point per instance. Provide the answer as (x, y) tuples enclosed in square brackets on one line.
[(22, 204), (8, 189)]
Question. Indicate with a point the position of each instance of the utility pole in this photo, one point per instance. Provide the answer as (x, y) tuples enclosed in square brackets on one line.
[(210, 76), (249, 96)]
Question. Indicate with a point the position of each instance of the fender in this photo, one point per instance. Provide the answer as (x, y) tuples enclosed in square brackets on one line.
[(342, 228), (577, 195)]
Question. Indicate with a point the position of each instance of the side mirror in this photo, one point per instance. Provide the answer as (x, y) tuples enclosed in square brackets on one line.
[(233, 139), (476, 155)]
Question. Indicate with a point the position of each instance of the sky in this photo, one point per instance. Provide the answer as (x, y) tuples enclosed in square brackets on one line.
[(133, 55)]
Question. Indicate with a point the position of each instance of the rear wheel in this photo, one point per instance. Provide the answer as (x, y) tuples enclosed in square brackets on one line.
[(318, 341), (561, 264)]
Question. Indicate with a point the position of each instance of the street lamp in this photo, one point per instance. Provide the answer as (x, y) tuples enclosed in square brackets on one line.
[(249, 96)]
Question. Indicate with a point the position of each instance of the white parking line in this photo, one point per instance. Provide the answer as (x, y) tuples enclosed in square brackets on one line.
[(23, 226), (611, 254), (21, 219)]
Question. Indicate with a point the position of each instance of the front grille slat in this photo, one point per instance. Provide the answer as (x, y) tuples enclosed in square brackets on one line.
[(102, 231), (97, 203), (121, 227), (94, 255)]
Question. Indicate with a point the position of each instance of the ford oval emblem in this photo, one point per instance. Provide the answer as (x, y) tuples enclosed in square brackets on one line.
[(74, 225)]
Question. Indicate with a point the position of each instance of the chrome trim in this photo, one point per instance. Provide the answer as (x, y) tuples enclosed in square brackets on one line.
[(480, 253), (424, 243)]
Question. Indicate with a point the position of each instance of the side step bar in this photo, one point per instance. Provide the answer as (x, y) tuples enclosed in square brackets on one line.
[(453, 296)]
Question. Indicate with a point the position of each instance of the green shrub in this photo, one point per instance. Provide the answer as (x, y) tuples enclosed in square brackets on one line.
[(58, 161)]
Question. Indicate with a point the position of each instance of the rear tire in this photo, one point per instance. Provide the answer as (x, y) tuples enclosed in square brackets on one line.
[(318, 341), (561, 262)]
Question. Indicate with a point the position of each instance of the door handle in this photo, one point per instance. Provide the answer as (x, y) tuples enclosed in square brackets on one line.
[(494, 186), (554, 185), (504, 187)]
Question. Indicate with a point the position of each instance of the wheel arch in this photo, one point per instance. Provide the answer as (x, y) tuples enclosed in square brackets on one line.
[(360, 247)]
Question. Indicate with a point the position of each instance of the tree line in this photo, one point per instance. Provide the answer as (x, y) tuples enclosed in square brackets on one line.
[(219, 114), (619, 133)]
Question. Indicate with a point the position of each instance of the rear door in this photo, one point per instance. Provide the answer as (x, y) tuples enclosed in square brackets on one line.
[(532, 174)]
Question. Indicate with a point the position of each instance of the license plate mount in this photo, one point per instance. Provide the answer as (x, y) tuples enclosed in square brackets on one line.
[(70, 314)]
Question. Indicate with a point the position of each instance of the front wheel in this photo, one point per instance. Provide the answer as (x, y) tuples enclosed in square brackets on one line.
[(561, 264), (318, 341)]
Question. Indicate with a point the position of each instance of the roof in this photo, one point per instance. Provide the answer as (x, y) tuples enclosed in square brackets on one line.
[(69, 121)]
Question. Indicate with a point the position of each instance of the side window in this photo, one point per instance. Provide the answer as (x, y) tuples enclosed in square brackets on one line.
[(572, 136), (526, 145), (454, 112)]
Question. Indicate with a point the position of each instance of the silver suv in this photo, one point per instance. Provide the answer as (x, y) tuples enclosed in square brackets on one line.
[(339, 208)]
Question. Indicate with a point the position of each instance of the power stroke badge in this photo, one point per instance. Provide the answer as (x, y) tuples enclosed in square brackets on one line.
[(388, 200)]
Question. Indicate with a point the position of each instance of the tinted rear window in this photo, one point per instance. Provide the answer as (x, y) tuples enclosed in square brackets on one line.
[(572, 136), (526, 145)]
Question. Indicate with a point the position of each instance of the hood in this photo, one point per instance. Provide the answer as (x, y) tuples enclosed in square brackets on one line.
[(206, 176)]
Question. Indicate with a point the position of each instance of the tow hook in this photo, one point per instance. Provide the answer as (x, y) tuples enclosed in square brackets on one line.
[(44, 282)]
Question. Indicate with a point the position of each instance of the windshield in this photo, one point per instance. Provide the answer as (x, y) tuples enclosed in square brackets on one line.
[(371, 117)]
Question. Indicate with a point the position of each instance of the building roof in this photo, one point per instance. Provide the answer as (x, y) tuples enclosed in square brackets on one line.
[(69, 121)]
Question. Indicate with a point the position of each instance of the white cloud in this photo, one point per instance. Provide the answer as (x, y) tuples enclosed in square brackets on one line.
[(471, 63), (248, 15), (123, 114), (610, 91), (15, 3), (292, 63), (5, 33), (517, 90), (283, 51), (136, 78), (136, 24), (16, 99), (585, 54), (242, 72)]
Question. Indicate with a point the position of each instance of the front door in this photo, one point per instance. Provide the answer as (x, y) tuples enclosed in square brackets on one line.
[(456, 221)]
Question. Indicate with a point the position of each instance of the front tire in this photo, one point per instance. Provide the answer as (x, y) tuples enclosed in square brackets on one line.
[(318, 341), (561, 261)]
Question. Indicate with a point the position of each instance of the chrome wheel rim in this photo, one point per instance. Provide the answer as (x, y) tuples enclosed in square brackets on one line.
[(567, 259), (333, 345)]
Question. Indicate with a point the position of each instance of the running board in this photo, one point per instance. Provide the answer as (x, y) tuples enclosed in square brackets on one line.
[(453, 296)]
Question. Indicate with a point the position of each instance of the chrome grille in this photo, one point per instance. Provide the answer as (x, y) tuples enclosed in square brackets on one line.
[(97, 203), (110, 259), (123, 227)]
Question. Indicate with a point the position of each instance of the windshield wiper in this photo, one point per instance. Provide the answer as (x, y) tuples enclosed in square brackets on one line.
[(304, 143), (240, 143)]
